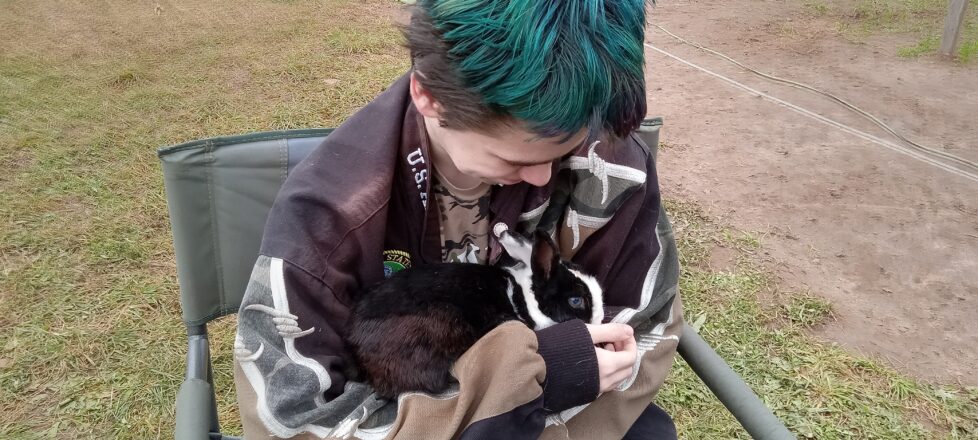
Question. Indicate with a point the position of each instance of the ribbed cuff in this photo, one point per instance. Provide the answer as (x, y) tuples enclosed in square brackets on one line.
[(572, 365)]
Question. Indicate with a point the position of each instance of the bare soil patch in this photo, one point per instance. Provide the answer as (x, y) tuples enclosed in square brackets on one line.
[(890, 241)]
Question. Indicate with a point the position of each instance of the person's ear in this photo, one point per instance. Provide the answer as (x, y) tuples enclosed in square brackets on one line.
[(423, 100)]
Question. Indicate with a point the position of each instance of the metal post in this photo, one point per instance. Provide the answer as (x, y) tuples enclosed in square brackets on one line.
[(952, 26)]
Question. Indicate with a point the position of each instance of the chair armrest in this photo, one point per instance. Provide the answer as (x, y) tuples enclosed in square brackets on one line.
[(732, 391)]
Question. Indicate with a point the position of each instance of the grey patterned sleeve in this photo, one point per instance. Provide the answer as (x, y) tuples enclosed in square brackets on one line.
[(288, 389)]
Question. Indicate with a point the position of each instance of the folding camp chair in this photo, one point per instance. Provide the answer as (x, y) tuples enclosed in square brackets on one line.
[(219, 192)]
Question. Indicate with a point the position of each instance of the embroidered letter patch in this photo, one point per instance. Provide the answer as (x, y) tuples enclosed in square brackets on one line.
[(395, 261)]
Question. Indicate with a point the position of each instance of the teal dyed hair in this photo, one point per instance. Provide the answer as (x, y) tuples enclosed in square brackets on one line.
[(556, 65)]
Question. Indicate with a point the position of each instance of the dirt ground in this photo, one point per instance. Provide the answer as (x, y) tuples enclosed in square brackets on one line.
[(890, 241)]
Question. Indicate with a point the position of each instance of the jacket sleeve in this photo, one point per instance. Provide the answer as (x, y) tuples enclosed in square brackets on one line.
[(291, 390), (286, 389), (636, 257), (501, 392)]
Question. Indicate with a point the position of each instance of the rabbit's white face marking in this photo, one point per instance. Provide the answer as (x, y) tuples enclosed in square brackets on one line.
[(597, 296), (509, 294), (523, 276), (522, 250)]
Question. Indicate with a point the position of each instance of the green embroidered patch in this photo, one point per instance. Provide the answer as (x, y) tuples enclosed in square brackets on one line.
[(395, 261)]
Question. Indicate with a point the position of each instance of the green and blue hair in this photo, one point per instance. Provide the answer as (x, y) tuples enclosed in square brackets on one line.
[(557, 66)]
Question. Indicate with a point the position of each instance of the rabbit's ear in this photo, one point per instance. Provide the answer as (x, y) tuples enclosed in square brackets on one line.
[(546, 258)]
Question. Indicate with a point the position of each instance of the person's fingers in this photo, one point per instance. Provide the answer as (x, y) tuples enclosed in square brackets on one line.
[(622, 375), (614, 368), (609, 332), (624, 359), (606, 370), (628, 344), (615, 361), (616, 351)]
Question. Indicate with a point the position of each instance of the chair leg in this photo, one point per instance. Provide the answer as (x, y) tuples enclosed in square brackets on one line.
[(215, 422)]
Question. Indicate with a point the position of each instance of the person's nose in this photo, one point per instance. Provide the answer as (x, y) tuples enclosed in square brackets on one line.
[(536, 175)]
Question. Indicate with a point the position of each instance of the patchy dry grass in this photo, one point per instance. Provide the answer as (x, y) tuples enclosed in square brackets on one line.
[(926, 45), (92, 343), (819, 390), (922, 19)]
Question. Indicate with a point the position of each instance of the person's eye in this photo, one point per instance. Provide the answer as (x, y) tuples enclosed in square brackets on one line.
[(576, 302)]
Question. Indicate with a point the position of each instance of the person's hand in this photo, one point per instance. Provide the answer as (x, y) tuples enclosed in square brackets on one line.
[(616, 350)]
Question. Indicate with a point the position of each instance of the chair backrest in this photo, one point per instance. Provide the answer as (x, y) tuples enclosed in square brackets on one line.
[(219, 192)]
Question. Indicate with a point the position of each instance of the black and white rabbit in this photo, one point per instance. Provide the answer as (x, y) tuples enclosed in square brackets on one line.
[(408, 330)]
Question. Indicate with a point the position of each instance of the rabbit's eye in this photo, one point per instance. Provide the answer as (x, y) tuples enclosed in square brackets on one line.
[(576, 302)]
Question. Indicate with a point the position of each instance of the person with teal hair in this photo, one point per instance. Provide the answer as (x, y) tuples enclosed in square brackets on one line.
[(515, 115)]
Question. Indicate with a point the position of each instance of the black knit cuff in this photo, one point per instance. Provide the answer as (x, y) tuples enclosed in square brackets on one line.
[(572, 366)]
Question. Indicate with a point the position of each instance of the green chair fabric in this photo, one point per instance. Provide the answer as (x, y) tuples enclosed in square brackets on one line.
[(219, 192)]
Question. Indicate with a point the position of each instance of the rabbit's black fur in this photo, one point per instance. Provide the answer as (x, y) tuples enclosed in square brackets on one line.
[(407, 331)]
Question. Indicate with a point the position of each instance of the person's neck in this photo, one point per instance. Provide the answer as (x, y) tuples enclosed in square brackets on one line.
[(437, 137)]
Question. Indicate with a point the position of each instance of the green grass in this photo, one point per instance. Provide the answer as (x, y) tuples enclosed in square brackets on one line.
[(922, 20), (968, 51), (806, 310), (92, 344), (817, 7), (927, 45)]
